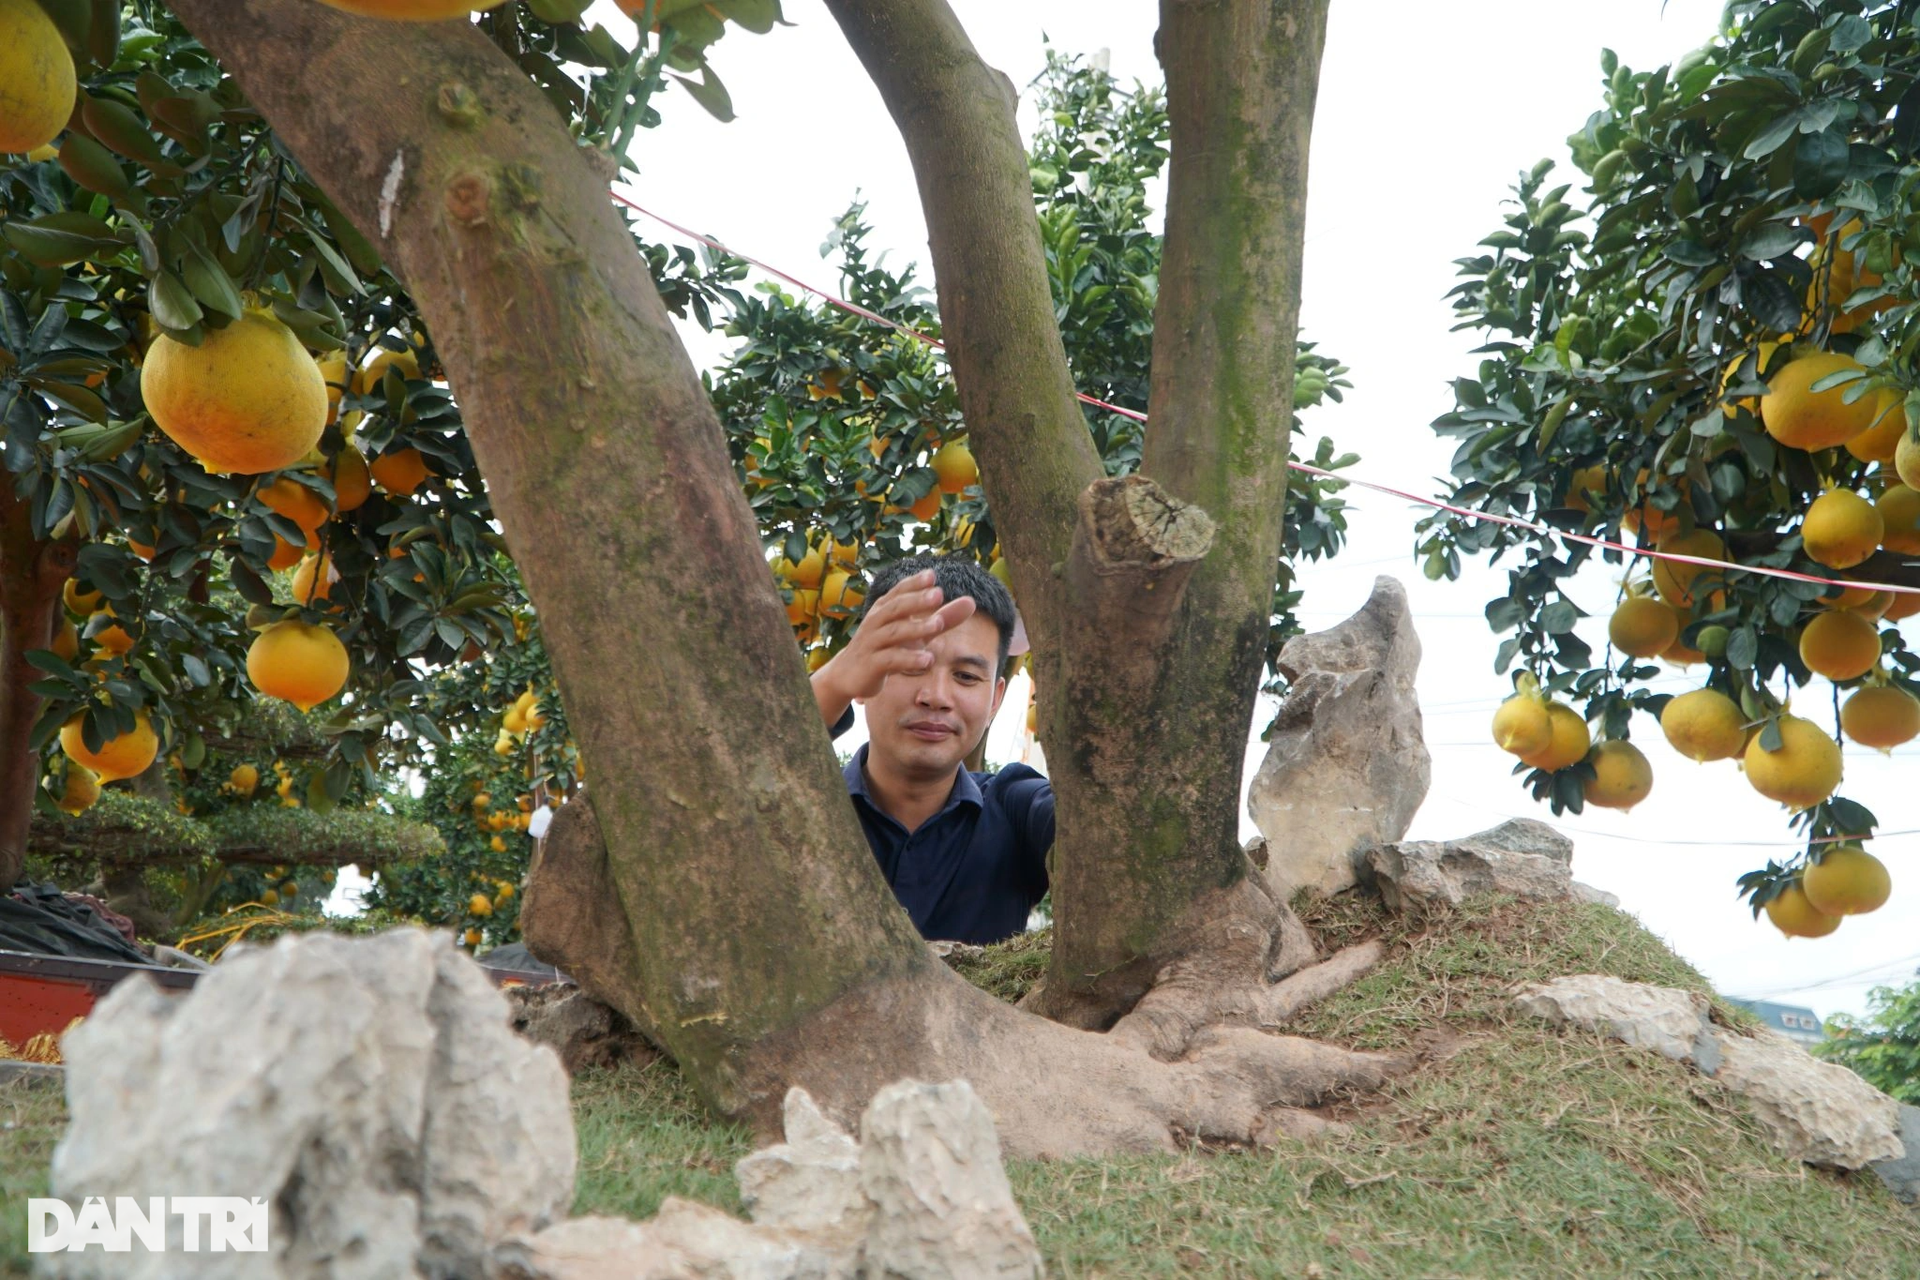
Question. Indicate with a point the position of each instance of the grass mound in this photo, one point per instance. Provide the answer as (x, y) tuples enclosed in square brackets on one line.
[(1518, 1151)]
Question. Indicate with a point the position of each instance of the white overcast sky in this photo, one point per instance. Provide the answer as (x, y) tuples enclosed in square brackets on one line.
[(1427, 113)]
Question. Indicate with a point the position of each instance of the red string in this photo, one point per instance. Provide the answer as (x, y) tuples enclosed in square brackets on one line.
[(1306, 468)]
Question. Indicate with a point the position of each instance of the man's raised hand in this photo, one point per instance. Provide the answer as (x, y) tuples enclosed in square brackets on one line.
[(892, 639)]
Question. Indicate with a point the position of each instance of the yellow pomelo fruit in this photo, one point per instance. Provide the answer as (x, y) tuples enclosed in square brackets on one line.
[(286, 554), (1584, 485), (114, 638), (412, 10), (66, 641), (314, 579), (807, 572), (838, 599), (1704, 725), (118, 758), (296, 502), (1001, 570), (243, 779), (1803, 772), (1877, 442), (399, 472), (1794, 916), (953, 463), (81, 790), (817, 658), (333, 371), (1840, 644), (503, 744), (1847, 881), (1569, 743), (1658, 524), (1751, 403), (1899, 508), (1621, 779), (804, 606), (1643, 627), (247, 400), (1906, 461), (530, 714), (1881, 716), (1841, 529), (79, 599), (928, 507), (370, 375), (36, 77), (352, 481), (497, 844), (1681, 656), (1674, 579), (144, 550), (1522, 725), (300, 662), (480, 905), (1797, 416), (1903, 605)]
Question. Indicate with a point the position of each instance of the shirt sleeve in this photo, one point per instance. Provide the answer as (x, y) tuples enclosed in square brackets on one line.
[(845, 722), (1034, 822)]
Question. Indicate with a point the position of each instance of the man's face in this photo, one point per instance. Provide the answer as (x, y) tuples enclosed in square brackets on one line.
[(924, 724)]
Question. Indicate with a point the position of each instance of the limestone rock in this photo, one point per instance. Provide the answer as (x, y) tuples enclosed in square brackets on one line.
[(582, 1030), (1346, 766), (369, 1088), (1902, 1175), (683, 1241), (1814, 1111), (1664, 1019), (810, 1181), (1524, 858), (930, 1163), (1594, 897)]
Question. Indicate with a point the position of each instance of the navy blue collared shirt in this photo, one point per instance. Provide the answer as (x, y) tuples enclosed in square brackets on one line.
[(973, 871)]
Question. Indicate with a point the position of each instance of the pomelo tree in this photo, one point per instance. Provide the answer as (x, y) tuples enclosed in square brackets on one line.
[(718, 889), (1709, 352)]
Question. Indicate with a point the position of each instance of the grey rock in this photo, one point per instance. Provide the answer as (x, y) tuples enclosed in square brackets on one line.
[(812, 1180), (1586, 893), (1664, 1019), (582, 1030), (1346, 765), (1902, 1175), (1813, 1111), (1706, 1050), (1526, 859), (369, 1088)]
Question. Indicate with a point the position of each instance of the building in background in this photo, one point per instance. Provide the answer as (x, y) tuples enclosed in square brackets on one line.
[(1791, 1020)]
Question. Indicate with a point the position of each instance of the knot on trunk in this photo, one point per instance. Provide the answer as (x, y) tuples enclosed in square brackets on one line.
[(1132, 525)]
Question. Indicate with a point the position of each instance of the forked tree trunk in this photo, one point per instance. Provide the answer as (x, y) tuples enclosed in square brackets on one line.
[(32, 573), (1148, 599)]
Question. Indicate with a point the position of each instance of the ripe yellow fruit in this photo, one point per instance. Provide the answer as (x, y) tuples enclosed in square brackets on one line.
[(1847, 881), (269, 897), (81, 790), (66, 641), (352, 481), (1899, 508), (530, 713), (333, 371), (367, 379), (314, 579), (1877, 442), (496, 821), (79, 599), (1906, 461), (112, 638), (817, 658), (1643, 627), (247, 400), (472, 937), (286, 554), (1622, 778), (1803, 772), (399, 472), (1841, 529), (1569, 743), (243, 779), (1584, 485), (1704, 725), (806, 573), (1794, 916), (1674, 579), (480, 905), (504, 894), (503, 745), (298, 661), (928, 507), (296, 502), (1680, 655), (1522, 725), (1840, 644), (497, 845), (1750, 403), (953, 463), (1903, 605), (1802, 418), (36, 77), (121, 757), (837, 598), (1881, 716)]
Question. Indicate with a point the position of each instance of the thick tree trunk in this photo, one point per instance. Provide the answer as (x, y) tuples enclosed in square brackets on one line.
[(737, 863), (31, 576)]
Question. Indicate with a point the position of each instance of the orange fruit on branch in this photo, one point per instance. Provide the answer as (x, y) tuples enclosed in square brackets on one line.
[(1847, 881), (303, 663), (37, 82), (1643, 627), (1704, 725), (399, 471), (1802, 418), (1881, 716), (1621, 778), (1803, 772), (119, 757), (1840, 644), (1796, 917), (1841, 529), (1568, 744), (247, 400)]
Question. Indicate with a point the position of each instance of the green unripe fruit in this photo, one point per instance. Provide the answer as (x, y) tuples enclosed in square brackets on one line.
[(1712, 641)]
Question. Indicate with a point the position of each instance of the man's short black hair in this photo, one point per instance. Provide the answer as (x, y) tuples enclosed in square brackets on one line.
[(956, 576)]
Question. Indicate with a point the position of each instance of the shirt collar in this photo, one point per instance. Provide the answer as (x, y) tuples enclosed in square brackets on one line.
[(965, 788)]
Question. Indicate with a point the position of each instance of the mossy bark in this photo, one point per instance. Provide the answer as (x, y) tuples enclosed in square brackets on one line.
[(32, 573), (739, 868), (1149, 605)]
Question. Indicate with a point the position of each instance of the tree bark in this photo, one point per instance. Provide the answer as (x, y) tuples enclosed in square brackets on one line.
[(608, 469), (32, 573)]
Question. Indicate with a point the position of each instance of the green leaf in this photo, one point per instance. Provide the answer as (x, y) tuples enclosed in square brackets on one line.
[(559, 12), (61, 239), (209, 283), (710, 93), (172, 303), (1820, 163)]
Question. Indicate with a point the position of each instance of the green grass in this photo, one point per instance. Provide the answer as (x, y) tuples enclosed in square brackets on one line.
[(32, 1118), (1514, 1151)]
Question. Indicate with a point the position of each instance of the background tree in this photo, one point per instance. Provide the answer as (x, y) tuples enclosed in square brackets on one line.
[(1883, 1047), (1709, 356)]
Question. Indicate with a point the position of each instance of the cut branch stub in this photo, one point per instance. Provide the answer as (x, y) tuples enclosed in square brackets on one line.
[(1134, 550)]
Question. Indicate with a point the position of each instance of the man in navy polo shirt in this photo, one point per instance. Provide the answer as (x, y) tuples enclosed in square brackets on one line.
[(965, 852)]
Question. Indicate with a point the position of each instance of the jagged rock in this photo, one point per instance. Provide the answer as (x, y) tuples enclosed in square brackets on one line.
[(1664, 1019), (1586, 893), (922, 1195), (369, 1088), (1524, 858), (930, 1163), (1346, 766), (1902, 1175), (583, 1031), (1817, 1112)]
